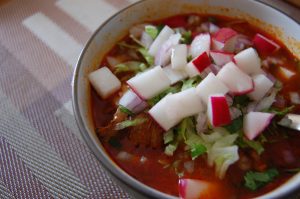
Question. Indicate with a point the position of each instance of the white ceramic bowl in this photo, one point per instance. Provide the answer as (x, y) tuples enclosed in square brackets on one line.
[(257, 13)]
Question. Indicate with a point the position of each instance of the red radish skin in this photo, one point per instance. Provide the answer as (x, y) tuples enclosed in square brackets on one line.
[(134, 90), (224, 34), (255, 123), (264, 45), (221, 58), (193, 189), (202, 62), (218, 110), (225, 40)]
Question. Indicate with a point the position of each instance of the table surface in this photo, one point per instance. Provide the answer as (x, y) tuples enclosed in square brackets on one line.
[(42, 154)]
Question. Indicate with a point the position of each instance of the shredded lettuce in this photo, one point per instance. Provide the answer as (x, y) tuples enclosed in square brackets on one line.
[(152, 31), (168, 136), (154, 100), (171, 148), (125, 110), (197, 150), (192, 82), (149, 59), (256, 180), (186, 37), (129, 123), (130, 66), (245, 143)]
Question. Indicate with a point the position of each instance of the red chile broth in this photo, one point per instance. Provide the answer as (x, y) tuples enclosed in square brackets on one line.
[(282, 150)]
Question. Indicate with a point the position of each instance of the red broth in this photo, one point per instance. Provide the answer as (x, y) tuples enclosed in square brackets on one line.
[(281, 151)]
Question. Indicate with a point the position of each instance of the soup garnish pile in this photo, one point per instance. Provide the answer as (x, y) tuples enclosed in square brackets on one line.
[(192, 105)]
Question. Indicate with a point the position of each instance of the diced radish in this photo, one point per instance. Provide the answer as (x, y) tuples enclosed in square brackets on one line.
[(255, 123), (262, 85), (200, 44), (209, 86), (163, 55), (248, 61), (264, 45), (146, 40), (175, 75), (160, 113), (186, 103), (104, 82), (193, 189), (242, 43), (237, 81), (295, 98), (209, 27), (218, 110), (225, 40), (132, 102), (198, 65), (149, 83), (221, 58), (163, 36), (178, 57), (286, 73)]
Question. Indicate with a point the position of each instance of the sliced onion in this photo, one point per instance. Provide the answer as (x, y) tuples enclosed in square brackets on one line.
[(132, 102), (163, 56), (242, 43)]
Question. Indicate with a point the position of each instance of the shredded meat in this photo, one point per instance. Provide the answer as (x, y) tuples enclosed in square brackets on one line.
[(147, 134)]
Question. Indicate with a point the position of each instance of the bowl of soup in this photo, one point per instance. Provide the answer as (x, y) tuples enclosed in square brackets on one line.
[(188, 98)]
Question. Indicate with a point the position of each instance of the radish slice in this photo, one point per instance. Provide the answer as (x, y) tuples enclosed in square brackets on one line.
[(255, 123), (248, 61), (155, 77), (264, 45), (186, 103), (209, 86), (132, 102), (286, 73), (193, 189), (163, 55), (218, 111), (221, 58), (200, 44), (237, 81), (262, 85), (175, 75), (160, 113), (163, 36), (178, 57), (104, 82), (225, 40)]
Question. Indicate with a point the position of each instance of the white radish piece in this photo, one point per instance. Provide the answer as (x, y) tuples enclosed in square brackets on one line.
[(248, 61), (186, 103), (163, 36), (175, 75), (104, 82), (295, 98), (286, 73), (149, 83), (264, 45), (255, 123), (160, 113), (262, 85), (225, 40), (194, 189), (132, 102), (237, 81), (200, 44), (163, 55), (179, 57), (200, 63), (209, 86), (221, 58), (218, 111)]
